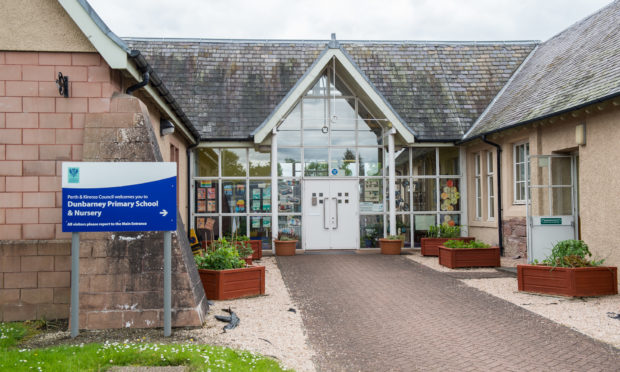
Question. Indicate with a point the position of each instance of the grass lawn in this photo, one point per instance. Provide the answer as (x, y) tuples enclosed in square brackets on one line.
[(100, 357)]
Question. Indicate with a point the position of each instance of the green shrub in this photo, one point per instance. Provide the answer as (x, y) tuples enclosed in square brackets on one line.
[(222, 256), (463, 244), (444, 231), (570, 253), (395, 237)]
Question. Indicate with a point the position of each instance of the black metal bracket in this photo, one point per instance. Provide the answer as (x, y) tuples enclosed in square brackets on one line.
[(63, 85)]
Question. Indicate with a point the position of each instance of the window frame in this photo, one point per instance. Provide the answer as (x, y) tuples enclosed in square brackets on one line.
[(477, 186), (490, 176), (515, 177)]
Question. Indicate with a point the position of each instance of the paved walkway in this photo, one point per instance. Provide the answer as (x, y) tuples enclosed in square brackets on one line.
[(387, 313)]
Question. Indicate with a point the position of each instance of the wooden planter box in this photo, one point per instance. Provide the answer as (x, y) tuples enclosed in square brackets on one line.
[(234, 283), (430, 246), (389, 246), (469, 257), (257, 247), (285, 247), (568, 281)]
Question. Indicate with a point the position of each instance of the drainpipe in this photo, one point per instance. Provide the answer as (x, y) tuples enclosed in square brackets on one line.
[(499, 192), (145, 80), (190, 165)]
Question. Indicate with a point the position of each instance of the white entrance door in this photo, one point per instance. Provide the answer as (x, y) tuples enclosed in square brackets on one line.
[(331, 214), (552, 205)]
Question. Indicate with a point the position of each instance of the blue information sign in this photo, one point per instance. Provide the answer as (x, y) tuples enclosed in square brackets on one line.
[(118, 196)]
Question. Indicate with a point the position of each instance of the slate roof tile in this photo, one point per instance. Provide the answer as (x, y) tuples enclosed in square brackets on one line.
[(228, 88), (579, 65)]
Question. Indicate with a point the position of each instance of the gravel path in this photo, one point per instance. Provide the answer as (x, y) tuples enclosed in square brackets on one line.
[(587, 315), (267, 326)]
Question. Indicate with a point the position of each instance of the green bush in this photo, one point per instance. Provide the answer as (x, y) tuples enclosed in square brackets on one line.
[(463, 244), (444, 231), (222, 256), (570, 253)]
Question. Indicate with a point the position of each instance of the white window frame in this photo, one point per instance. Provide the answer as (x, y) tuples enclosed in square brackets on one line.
[(478, 186), (517, 181), (490, 187)]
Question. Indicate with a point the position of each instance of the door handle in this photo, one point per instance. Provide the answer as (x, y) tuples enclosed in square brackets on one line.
[(325, 214), (336, 208)]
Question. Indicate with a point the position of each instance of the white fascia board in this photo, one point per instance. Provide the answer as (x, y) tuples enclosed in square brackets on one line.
[(178, 124), (111, 52), (302, 87)]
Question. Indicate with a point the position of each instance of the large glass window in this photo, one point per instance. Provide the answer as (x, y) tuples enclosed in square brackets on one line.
[(234, 162), (229, 186), (344, 162), (289, 162), (206, 164), (260, 164), (424, 161)]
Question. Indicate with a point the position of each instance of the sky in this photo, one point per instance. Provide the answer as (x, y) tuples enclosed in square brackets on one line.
[(436, 20)]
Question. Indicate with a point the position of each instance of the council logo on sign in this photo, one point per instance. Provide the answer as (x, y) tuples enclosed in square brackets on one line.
[(74, 175)]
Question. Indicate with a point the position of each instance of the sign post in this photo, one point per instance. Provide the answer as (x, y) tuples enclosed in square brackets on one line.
[(119, 197)]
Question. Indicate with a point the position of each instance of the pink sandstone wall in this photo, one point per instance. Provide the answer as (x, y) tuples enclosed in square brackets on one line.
[(39, 130)]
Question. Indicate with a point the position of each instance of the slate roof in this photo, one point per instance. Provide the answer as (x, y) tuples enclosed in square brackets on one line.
[(229, 87), (577, 67)]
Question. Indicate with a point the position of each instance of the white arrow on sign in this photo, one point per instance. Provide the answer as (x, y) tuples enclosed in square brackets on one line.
[(164, 213)]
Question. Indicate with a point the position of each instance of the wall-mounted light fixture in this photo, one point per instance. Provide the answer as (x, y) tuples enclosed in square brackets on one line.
[(165, 127), (580, 134), (63, 85)]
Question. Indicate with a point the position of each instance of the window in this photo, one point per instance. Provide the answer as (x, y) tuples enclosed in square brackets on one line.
[(520, 171), (490, 189), (478, 187)]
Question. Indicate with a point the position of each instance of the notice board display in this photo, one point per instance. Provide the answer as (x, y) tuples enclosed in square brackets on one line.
[(118, 196)]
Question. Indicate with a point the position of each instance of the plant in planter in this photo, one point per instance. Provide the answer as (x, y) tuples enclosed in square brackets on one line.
[(439, 234), (286, 243), (245, 247), (569, 271), (391, 245), (474, 253), (224, 273)]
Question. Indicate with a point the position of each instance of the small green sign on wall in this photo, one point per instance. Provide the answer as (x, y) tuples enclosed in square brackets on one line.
[(551, 221)]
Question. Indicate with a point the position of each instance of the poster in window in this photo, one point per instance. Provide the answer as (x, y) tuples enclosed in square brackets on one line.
[(205, 183), (266, 205), (240, 207), (267, 193), (255, 222), (210, 205), (255, 205), (200, 223), (202, 193), (201, 206), (267, 222), (228, 190), (255, 193), (211, 193), (240, 190)]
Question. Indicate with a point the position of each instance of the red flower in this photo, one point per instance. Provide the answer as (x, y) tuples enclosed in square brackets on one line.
[(449, 183), (451, 223)]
